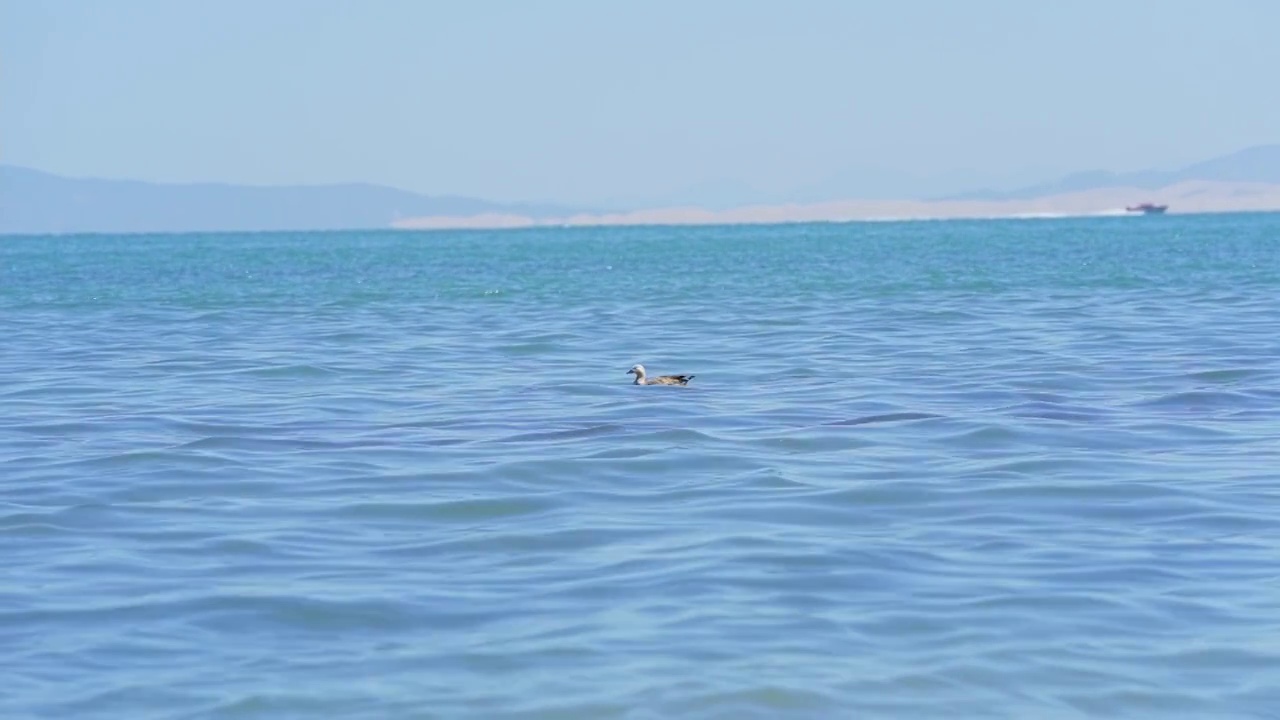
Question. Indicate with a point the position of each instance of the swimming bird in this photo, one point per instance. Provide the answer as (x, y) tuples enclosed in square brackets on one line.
[(641, 379)]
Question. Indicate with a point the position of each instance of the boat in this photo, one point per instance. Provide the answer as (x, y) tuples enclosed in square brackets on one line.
[(1147, 208)]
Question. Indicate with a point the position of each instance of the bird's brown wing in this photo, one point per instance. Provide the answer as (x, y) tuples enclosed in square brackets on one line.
[(670, 380)]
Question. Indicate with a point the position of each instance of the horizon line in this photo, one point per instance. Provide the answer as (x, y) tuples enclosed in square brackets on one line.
[(1025, 217)]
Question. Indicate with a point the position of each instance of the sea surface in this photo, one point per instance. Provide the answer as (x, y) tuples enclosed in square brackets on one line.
[(967, 469)]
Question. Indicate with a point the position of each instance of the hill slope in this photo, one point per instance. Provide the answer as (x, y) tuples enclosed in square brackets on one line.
[(1259, 164), (36, 202)]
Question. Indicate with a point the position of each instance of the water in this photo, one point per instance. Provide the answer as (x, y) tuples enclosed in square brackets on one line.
[(999, 469)]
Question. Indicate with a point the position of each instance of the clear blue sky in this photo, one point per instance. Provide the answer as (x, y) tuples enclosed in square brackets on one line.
[(587, 100)]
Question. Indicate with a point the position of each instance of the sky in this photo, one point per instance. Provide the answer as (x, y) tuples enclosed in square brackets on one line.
[(587, 101)]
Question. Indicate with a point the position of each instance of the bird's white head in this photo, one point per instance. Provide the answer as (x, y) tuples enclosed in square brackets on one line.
[(638, 371)]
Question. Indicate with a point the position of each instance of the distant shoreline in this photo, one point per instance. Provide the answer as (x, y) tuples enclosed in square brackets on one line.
[(1183, 199), (34, 202), (540, 225)]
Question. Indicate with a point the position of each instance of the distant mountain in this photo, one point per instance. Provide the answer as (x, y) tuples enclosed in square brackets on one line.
[(1259, 164), (37, 202)]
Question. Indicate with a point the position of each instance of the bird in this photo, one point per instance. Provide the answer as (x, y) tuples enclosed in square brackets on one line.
[(641, 379)]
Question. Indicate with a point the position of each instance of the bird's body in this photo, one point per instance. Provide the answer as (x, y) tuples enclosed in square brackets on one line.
[(642, 379)]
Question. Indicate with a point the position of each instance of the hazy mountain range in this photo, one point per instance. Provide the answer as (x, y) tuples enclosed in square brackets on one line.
[(35, 202), (1259, 164)]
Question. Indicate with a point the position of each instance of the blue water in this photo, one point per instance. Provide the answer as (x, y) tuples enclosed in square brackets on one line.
[(997, 469)]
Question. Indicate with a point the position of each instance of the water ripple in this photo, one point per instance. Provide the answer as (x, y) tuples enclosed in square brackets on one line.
[(925, 470)]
